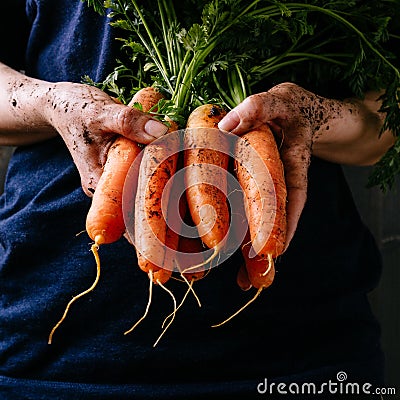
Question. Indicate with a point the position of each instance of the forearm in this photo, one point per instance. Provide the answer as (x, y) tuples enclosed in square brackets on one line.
[(22, 116), (351, 134)]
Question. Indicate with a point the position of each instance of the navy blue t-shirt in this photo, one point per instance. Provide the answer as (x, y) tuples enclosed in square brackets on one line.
[(313, 322)]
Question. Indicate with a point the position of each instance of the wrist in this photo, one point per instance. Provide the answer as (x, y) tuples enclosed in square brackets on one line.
[(37, 104), (351, 135), (22, 109)]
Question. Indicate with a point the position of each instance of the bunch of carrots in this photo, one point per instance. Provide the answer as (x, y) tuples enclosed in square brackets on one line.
[(204, 204), (202, 70)]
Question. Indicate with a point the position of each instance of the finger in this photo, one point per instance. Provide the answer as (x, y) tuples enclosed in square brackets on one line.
[(132, 123), (89, 179), (254, 111), (296, 199), (242, 278), (89, 153), (296, 160), (245, 116)]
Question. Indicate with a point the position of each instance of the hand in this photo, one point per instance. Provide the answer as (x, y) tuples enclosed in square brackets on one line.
[(89, 120), (294, 115)]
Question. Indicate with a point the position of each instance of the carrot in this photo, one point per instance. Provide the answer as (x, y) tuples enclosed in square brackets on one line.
[(105, 220), (158, 165), (260, 173), (190, 253), (205, 176), (259, 271), (147, 99)]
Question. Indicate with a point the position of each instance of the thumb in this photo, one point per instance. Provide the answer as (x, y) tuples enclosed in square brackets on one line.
[(249, 114), (132, 123), (230, 121)]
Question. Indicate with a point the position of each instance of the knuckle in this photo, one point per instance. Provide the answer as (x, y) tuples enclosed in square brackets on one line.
[(284, 88), (253, 105), (123, 119), (128, 121)]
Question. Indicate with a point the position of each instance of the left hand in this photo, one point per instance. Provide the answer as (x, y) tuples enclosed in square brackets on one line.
[(294, 115)]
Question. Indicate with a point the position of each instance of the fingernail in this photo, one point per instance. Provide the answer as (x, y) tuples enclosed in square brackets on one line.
[(155, 129), (229, 122)]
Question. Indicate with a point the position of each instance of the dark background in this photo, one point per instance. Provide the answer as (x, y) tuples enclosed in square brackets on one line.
[(381, 212)]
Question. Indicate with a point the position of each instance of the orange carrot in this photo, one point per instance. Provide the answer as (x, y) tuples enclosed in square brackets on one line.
[(260, 174), (158, 165), (206, 160), (147, 98), (260, 273), (264, 194), (191, 250), (105, 221)]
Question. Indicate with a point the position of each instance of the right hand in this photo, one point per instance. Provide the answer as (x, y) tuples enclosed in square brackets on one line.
[(89, 120)]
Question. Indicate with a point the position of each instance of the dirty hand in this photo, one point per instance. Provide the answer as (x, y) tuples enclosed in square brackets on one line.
[(294, 115), (89, 120)]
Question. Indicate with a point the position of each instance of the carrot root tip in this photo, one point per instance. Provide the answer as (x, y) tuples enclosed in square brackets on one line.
[(177, 308), (240, 309), (147, 306), (173, 313), (94, 250)]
